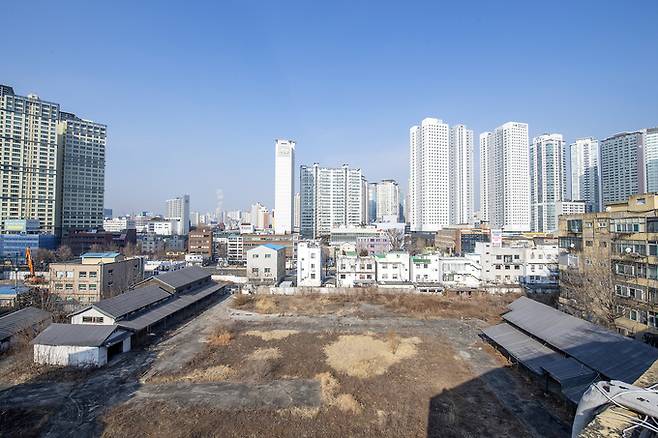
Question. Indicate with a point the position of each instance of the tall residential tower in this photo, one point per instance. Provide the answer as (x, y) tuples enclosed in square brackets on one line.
[(585, 178), (547, 181), (284, 186), (461, 173), (622, 167)]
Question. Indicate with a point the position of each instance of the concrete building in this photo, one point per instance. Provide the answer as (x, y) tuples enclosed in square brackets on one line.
[(297, 218), (354, 270), (460, 240), (585, 173), (266, 264), (486, 140), (13, 246), (151, 243), (200, 242), (622, 167), (548, 181), (178, 211), (82, 241), (461, 173), (650, 142), (235, 249), (284, 185), (310, 261), (622, 239), (372, 202), (260, 217), (95, 276), (393, 267), (373, 244), (161, 227), (387, 201), (21, 324), (570, 207), (508, 177), (330, 197), (447, 271), (429, 175), (83, 172), (116, 225)]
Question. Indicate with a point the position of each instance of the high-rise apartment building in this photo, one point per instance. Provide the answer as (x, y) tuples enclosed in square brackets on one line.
[(178, 210), (508, 177), (372, 202), (330, 197), (429, 175), (547, 181), (585, 178), (461, 173), (260, 216), (486, 138), (622, 167), (388, 201), (53, 165), (651, 158), (31, 160), (297, 213), (284, 185), (83, 172)]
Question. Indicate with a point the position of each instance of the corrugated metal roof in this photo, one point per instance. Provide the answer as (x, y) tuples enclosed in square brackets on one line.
[(182, 277), (81, 335), (152, 316), (273, 246), (131, 301), (568, 370), (532, 354), (17, 321), (100, 254), (613, 355)]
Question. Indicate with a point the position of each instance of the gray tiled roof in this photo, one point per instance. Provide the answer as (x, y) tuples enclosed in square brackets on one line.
[(81, 335), (132, 301), (155, 314), (20, 320), (612, 355), (182, 277)]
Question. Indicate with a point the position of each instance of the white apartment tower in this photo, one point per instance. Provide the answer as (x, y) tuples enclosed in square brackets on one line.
[(429, 175), (461, 173), (297, 213), (83, 172), (485, 144), (388, 200), (330, 197), (651, 158), (284, 186), (178, 210), (508, 177), (547, 181), (585, 178), (622, 167)]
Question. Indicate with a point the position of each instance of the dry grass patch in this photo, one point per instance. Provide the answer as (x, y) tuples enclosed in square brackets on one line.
[(365, 356), (329, 386), (222, 336), (265, 354), (218, 373), (271, 335)]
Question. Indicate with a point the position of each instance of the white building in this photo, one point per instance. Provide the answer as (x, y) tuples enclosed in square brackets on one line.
[(387, 200), (522, 262), (651, 159), (119, 224), (461, 173), (178, 211), (354, 270), (429, 175), (330, 197), (260, 216), (195, 218), (309, 264), (508, 177), (447, 271), (486, 138), (570, 207), (585, 178), (548, 183), (284, 186), (393, 267), (297, 218), (160, 227), (266, 264)]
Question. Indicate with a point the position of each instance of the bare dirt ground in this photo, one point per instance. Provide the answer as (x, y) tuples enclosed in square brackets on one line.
[(305, 366)]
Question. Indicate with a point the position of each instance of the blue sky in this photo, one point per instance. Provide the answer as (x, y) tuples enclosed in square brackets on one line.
[(194, 93)]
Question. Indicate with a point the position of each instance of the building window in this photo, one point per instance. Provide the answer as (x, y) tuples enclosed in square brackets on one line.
[(633, 315), (92, 287), (82, 274), (254, 270), (93, 319), (92, 274), (82, 287), (268, 256)]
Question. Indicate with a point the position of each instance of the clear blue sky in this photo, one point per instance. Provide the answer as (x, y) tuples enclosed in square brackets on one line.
[(194, 93)]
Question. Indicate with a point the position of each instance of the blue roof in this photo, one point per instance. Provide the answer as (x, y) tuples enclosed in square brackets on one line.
[(12, 290), (274, 247), (100, 254)]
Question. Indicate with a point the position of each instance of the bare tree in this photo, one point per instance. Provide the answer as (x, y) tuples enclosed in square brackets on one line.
[(43, 257), (590, 290), (64, 253), (396, 238)]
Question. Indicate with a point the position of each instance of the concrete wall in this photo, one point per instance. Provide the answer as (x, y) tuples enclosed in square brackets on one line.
[(70, 355)]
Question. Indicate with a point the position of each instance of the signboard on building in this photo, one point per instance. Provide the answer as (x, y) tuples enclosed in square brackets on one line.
[(496, 238)]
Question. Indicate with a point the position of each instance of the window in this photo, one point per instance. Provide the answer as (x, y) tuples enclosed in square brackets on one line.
[(342, 276), (69, 274), (82, 287), (92, 274), (92, 287), (68, 286), (653, 248), (267, 270), (254, 256), (652, 225), (633, 315), (268, 256), (93, 319), (652, 319), (82, 274), (575, 225)]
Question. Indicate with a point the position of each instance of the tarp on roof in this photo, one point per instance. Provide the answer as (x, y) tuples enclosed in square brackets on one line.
[(80, 335), (131, 301), (523, 348), (182, 277), (614, 356), (156, 314), (17, 321)]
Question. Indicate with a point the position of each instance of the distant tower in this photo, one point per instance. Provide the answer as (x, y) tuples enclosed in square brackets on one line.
[(284, 185), (220, 205)]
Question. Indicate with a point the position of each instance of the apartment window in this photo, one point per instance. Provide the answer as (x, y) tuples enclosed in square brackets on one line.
[(633, 315), (68, 286), (342, 276), (254, 256), (267, 270), (82, 274), (575, 225), (652, 225), (653, 248), (92, 274), (268, 256), (82, 287), (254, 270)]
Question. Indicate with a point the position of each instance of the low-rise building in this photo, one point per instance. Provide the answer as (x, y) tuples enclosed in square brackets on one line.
[(393, 267), (119, 224), (310, 261), (354, 270), (82, 241), (20, 326), (200, 242), (161, 227), (95, 276), (266, 264), (373, 244), (350, 234), (448, 271), (151, 243)]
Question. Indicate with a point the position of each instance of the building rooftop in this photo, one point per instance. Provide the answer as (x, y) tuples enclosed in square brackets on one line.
[(274, 247), (182, 277), (17, 321), (129, 302), (81, 335), (99, 255)]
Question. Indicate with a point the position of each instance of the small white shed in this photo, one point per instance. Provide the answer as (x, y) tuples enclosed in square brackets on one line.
[(80, 345)]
